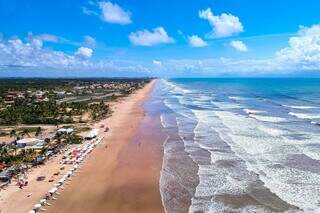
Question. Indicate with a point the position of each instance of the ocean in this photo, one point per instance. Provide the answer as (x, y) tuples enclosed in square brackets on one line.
[(240, 145)]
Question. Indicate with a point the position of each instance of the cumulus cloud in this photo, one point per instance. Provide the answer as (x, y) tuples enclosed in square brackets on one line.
[(113, 13), (223, 25), (303, 49), (239, 46), (301, 55), (84, 52), (38, 40), (196, 41), (15, 54), (150, 38), (90, 41)]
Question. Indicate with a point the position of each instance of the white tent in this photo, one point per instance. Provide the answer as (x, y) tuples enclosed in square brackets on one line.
[(29, 142)]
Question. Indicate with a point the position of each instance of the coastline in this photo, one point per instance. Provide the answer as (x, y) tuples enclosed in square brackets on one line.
[(122, 173)]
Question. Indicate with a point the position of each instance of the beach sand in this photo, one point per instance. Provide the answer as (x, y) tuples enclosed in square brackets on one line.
[(13, 199), (122, 173)]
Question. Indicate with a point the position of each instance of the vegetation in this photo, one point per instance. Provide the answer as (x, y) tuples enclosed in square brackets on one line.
[(55, 102), (25, 112), (10, 156), (59, 101)]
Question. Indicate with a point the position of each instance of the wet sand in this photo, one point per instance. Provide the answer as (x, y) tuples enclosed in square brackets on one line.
[(122, 173)]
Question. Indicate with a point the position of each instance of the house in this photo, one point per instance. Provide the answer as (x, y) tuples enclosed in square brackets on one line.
[(30, 143), (65, 130)]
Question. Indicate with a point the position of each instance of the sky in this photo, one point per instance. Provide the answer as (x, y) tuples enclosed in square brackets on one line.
[(163, 38)]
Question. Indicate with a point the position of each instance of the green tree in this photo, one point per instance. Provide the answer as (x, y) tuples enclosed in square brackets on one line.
[(38, 131), (13, 133), (25, 132)]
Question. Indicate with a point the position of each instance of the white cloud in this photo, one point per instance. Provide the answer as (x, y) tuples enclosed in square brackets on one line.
[(303, 49), (84, 52), (90, 41), (196, 41), (38, 40), (18, 55), (156, 62), (113, 13), (150, 38), (224, 25), (301, 55), (239, 46), (48, 37)]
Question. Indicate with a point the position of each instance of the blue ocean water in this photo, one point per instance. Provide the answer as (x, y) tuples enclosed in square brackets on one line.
[(240, 145)]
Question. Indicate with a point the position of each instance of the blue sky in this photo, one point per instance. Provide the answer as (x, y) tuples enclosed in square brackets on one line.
[(159, 38)]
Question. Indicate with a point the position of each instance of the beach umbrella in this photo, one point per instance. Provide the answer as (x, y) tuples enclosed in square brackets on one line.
[(43, 202), (52, 191), (75, 166), (62, 180), (37, 207), (69, 173)]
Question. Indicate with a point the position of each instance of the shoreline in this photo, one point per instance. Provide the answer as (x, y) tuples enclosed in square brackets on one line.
[(114, 178)]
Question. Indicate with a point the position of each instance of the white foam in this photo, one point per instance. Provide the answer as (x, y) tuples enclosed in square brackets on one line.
[(304, 115), (261, 151), (164, 123), (264, 118), (227, 105), (213, 179), (273, 131), (252, 111), (237, 98), (301, 107), (175, 88)]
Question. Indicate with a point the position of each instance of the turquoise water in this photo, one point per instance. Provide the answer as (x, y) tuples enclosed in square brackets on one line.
[(240, 145)]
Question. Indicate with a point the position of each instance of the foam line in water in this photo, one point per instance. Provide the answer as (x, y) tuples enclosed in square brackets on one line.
[(263, 155), (253, 111), (304, 115), (265, 118), (301, 107)]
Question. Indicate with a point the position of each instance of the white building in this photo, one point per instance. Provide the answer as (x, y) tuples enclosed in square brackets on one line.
[(30, 143)]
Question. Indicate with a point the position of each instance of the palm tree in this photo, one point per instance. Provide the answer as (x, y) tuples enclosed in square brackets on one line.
[(31, 155), (13, 133), (25, 131), (38, 131), (3, 153)]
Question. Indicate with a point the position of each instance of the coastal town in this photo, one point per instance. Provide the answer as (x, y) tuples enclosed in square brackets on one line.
[(47, 129)]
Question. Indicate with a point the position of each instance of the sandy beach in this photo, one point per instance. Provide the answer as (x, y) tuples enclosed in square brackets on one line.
[(122, 173)]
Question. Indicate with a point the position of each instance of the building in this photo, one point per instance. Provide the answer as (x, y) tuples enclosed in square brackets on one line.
[(30, 143), (65, 130)]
